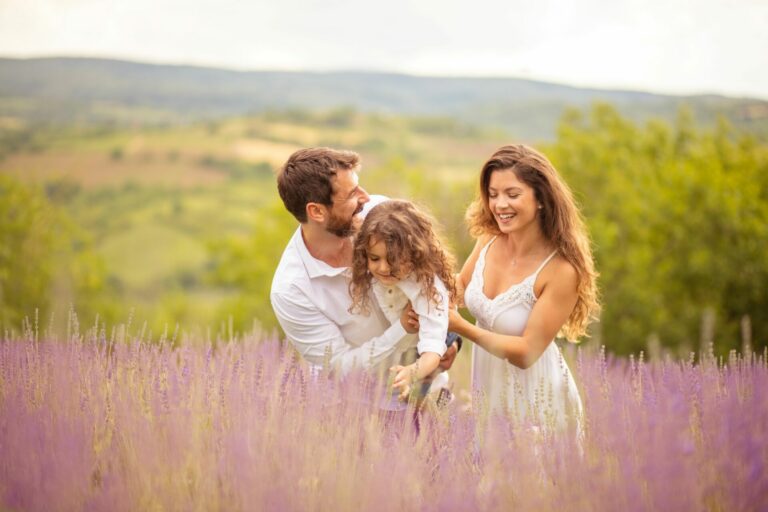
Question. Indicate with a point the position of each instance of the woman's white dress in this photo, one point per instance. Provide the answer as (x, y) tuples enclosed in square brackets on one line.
[(543, 395)]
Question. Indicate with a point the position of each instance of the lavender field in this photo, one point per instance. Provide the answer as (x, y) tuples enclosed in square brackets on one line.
[(97, 422)]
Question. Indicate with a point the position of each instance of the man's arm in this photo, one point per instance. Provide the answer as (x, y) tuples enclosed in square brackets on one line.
[(314, 335)]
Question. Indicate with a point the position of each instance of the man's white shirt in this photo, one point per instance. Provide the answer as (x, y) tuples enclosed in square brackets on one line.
[(311, 301)]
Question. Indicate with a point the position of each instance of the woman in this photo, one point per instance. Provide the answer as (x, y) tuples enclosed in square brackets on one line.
[(530, 276)]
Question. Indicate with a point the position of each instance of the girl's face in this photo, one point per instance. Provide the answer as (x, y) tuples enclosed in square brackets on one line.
[(378, 265), (512, 202)]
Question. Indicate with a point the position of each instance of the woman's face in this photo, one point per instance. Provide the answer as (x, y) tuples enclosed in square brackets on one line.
[(512, 202)]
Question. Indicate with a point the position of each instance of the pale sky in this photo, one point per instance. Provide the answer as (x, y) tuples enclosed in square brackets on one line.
[(668, 46)]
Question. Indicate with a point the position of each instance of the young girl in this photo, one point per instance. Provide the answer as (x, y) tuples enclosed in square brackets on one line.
[(399, 257)]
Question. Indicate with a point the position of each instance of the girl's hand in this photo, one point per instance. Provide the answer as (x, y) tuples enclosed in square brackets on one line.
[(402, 380)]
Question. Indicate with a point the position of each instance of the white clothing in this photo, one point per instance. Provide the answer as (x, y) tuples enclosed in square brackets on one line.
[(544, 394), (433, 319), (311, 301), (433, 324)]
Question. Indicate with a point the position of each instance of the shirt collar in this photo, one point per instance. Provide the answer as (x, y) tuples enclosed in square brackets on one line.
[(408, 286), (315, 267)]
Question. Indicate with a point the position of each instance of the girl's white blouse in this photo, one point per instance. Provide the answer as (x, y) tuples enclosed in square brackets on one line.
[(433, 319)]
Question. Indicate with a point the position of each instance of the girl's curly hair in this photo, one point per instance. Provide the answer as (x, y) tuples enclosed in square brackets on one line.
[(414, 250)]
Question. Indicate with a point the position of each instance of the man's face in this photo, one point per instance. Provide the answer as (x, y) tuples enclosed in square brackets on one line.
[(347, 201)]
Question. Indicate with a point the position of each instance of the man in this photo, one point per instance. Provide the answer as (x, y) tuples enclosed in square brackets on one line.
[(310, 289)]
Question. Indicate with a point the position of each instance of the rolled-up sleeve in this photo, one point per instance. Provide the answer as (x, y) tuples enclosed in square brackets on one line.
[(433, 320), (320, 341)]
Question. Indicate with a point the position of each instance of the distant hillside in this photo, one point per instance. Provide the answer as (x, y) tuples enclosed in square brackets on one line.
[(78, 90)]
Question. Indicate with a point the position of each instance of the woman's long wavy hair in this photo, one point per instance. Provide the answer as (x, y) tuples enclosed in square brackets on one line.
[(560, 221), (414, 250)]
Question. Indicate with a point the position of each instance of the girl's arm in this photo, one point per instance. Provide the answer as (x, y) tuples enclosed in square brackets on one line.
[(405, 375), (552, 309)]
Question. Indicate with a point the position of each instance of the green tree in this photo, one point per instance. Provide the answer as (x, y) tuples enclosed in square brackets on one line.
[(26, 251), (247, 264), (46, 260), (679, 220)]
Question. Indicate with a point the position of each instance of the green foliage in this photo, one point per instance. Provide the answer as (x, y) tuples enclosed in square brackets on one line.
[(679, 220), (117, 153), (247, 265), (45, 258), (444, 198), (16, 139), (678, 216), (26, 246)]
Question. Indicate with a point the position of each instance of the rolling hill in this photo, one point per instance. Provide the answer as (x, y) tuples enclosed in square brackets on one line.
[(101, 91)]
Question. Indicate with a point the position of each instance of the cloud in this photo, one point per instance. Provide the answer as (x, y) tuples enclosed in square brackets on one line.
[(671, 46)]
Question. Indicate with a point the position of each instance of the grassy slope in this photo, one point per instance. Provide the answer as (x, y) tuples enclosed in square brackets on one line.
[(154, 198)]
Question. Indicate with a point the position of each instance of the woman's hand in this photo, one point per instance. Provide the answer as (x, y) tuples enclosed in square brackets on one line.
[(456, 322)]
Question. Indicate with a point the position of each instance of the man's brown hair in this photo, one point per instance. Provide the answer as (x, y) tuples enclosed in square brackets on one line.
[(306, 177)]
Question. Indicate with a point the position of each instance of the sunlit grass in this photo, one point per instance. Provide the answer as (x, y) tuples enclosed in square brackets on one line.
[(149, 253)]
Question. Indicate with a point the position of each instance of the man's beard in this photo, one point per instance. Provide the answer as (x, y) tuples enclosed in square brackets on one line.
[(344, 228)]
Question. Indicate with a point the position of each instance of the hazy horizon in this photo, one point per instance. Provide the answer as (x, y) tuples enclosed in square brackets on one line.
[(379, 71), (679, 47)]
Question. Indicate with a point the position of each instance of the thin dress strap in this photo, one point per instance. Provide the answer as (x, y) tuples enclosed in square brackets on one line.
[(480, 263), (543, 263)]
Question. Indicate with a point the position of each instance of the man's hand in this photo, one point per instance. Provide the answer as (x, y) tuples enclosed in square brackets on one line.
[(409, 319), (450, 355)]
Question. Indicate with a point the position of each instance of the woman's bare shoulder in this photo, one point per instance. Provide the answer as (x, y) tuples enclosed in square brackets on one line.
[(469, 265), (484, 239), (558, 273)]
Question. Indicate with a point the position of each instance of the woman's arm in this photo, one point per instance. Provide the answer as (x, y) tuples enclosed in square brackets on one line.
[(556, 302)]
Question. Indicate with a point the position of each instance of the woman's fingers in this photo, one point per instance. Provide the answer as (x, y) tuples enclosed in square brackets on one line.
[(454, 319)]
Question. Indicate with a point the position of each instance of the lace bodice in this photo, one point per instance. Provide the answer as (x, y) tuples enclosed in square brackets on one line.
[(486, 310), (542, 394)]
